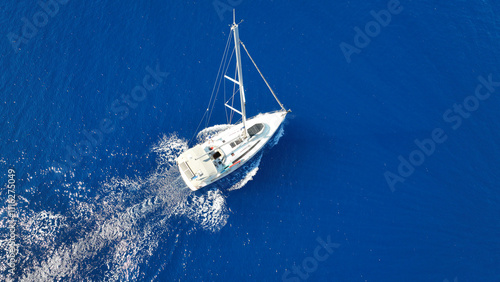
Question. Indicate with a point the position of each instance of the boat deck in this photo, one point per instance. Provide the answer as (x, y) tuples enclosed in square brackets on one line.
[(197, 164), (225, 152)]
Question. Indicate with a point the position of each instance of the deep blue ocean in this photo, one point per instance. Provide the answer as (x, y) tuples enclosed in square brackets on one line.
[(387, 169)]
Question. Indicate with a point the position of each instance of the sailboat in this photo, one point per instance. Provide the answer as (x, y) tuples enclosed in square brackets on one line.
[(225, 152)]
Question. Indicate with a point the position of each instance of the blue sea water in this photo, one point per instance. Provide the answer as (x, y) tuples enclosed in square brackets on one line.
[(386, 170)]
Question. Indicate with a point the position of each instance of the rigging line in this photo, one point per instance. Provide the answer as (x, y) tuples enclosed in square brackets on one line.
[(224, 71), (221, 70), (225, 97), (219, 80), (196, 131), (227, 61), (232, 97), (228, 119), (275, 97), (225, 108), (234, 93), (211, 96)]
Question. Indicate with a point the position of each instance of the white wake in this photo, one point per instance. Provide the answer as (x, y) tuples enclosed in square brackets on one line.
[(108, 236)]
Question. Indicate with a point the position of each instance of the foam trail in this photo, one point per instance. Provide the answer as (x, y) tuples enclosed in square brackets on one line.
[(248, 172), (277, 136), (119, 232), (109, 236), (251, 169), (208, 210), (123, 233)]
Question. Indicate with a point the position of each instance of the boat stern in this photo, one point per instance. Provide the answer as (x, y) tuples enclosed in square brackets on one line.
[(196, 167)]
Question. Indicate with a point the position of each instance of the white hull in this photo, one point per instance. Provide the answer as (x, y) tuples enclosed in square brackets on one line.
[(225, 152)]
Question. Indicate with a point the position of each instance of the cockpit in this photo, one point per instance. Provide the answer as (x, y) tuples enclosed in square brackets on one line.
[(255, 129)]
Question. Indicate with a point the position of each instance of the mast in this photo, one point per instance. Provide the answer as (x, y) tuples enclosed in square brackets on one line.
[(234, 28)]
